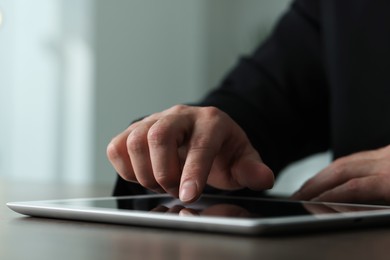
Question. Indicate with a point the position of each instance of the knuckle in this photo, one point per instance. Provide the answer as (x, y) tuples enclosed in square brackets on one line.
[(202, 142), (193, 170), (157, 135), (178, 108), (135, 142), (162, 179), (212, 112), (113, 151)]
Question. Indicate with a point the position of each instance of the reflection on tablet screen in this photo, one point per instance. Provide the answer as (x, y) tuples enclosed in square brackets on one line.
[(227, 207)]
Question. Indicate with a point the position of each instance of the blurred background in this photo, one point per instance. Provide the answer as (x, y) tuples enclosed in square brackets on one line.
[(74, 73)]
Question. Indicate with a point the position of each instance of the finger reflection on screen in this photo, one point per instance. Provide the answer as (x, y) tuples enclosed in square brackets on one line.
[(188, 212), (318, 208), (226, 210), (163, 209)]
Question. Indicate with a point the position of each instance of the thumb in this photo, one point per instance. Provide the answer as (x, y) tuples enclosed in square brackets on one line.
[(251, 172)]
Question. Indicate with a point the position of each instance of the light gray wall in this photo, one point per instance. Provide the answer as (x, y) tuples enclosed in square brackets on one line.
[(151, 54)]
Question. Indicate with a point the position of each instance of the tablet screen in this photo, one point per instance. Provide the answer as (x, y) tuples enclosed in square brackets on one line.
[(220, 206)]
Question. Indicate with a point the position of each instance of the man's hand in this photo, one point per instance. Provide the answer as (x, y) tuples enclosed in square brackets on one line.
[(181, 149), (360, 177)]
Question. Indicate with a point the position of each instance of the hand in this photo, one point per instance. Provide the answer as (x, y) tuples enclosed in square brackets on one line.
[(360, 177), (181, 149)]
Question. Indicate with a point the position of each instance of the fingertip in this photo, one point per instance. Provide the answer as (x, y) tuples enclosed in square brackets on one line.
[(268, 175), (188, 191)]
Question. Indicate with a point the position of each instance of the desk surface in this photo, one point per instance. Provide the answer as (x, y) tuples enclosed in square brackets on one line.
[(34, 238)]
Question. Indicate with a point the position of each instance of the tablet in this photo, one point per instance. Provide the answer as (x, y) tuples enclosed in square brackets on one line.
[(212, 213)]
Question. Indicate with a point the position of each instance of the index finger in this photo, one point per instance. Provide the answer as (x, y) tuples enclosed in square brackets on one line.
[(204, 144)]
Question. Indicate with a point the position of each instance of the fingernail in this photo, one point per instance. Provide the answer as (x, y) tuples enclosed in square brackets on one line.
[(188, 191)]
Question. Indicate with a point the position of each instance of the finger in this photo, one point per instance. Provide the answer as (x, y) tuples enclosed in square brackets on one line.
[(366, 189), (250, 171), (202, 150), (226, 151), (138, 150), (164, 138), (244, 168), (118, 156), (335, 174), (207, 137)]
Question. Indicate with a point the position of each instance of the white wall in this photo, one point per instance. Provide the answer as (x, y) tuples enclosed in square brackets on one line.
[(28, 99), (74, 73), (46, 90)]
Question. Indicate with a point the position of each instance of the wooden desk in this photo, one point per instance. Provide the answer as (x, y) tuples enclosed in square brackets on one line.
[(33, 238)]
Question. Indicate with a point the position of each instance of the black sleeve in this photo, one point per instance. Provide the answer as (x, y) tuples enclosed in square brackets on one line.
[(278, 95)]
